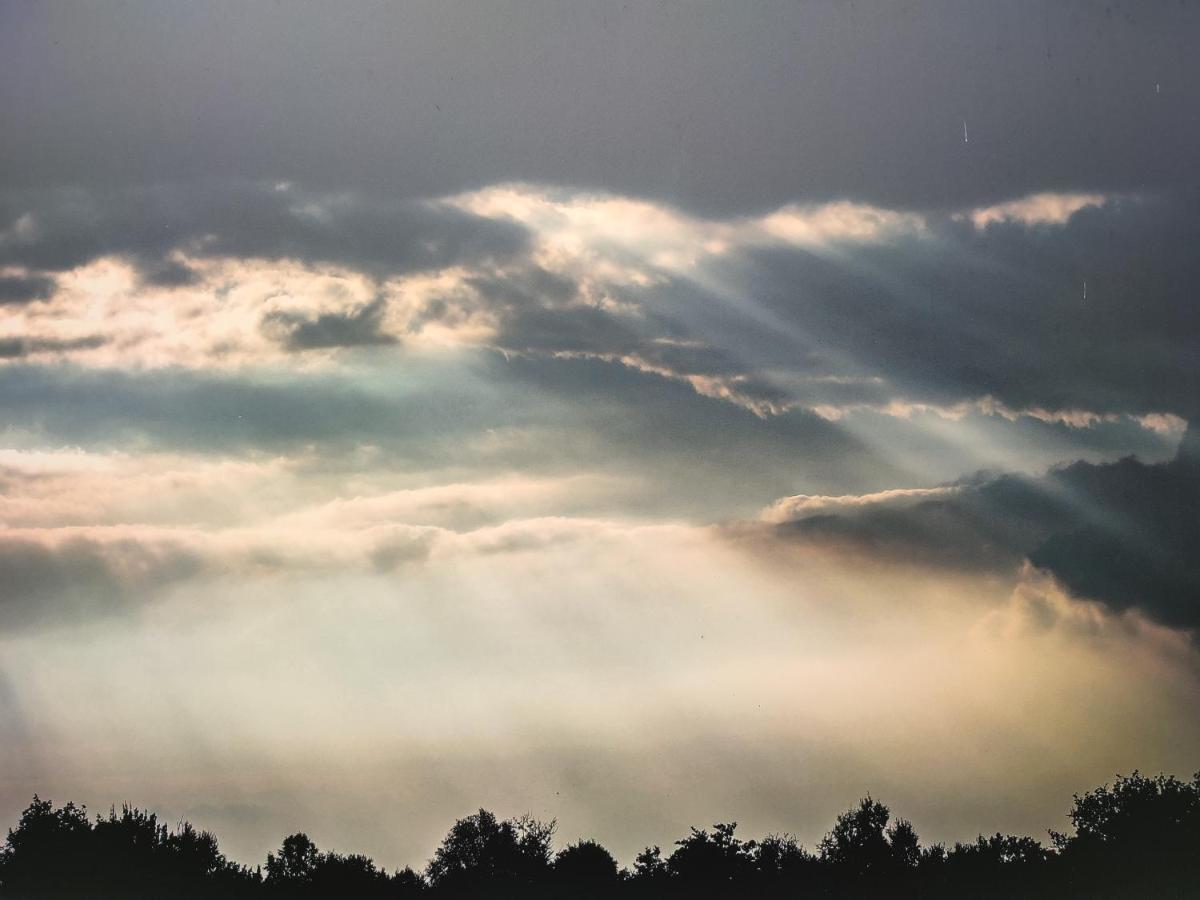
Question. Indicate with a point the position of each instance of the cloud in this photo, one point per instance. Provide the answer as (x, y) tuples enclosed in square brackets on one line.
[(789, 509), (843, 307), (467, 415), (1036, 209), (233, 313), (841, 222), (19, 347), (838, 308), (555, 650), (89, 534), (80, 579), (58, 229), (633, 238), (849, 101), (613, 277), (1162, 423), (360, 328), (1123, 534), (17, 289), (996, 316), (576, 330), (81, 574), (230, 414)]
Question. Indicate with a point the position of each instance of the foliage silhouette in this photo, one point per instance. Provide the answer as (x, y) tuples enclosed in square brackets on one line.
[(585, 869), (484, 855), (1139, 837)]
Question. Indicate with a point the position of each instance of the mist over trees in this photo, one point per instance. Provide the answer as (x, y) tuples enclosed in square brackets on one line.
[(1139, 837)]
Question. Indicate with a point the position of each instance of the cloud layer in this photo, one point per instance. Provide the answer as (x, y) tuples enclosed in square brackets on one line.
[(1124, 533), (435, 98), (830, 308)]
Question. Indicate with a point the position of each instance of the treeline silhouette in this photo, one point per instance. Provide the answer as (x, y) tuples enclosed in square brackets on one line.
[(1139, 837)]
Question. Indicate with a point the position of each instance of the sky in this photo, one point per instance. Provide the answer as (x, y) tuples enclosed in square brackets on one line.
[(641, 415)]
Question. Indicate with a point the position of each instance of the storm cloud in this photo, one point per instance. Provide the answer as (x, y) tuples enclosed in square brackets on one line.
[(1124, 533), (1076, 307), (359, 328), (15, 289), (1055, 305), (1097, 313), (649, 100), (62, 228)]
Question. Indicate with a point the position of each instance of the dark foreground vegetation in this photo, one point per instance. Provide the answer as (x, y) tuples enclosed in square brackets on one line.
[(1139, 838)]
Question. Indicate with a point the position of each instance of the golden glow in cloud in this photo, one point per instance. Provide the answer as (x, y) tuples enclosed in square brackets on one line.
[(1161, 422), (1036, 209), (583, 227), (784, 682), (788, 508), (609, 249)]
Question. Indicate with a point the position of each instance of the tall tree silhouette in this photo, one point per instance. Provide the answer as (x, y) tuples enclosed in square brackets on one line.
[(482, 853), (295, 864)]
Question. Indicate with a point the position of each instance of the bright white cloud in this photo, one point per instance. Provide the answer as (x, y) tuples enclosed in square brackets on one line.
[(627, 240), (1036, 209), (1160, 422), (788, 508), (609, 254)]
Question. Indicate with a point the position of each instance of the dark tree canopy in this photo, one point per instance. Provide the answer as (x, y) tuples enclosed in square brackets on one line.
[(1139, 837), (586, 868), (480, 850)]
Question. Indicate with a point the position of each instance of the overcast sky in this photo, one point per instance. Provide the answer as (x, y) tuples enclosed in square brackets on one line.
[(642, 414)]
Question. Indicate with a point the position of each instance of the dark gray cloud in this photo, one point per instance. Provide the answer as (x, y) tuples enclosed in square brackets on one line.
[(677, 439), (541, 313), (15, 289), (479, 414), (947, 316), (80, 580), (355, 329), (962, 313), (1125, 534), (710, 105), (943, 317), (16, 348), (177, 409), (60, 228)]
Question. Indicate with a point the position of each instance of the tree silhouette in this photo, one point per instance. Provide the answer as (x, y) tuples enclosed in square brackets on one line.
[(48, 853), (650, 875), (299, 869), (781, 865), (295, 864), (1139, 837), (1141, 833), (482, 853), (58, 853), (857, 847), (585, 869), (716, 863)]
